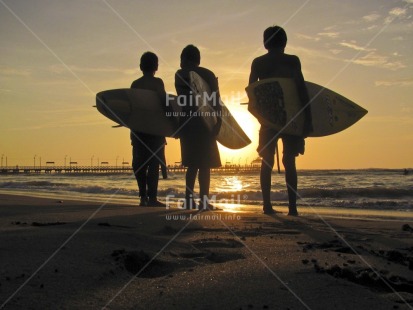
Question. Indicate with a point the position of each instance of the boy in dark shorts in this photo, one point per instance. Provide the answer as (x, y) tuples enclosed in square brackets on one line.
[(278, 64), (148, 150)]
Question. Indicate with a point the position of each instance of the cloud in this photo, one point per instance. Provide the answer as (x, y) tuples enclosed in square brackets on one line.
[(332, 35), (312, 54), (319, 36), (10, 71), (395, 13), (373, 59), (400, 82), (372, 27), (100, 70), (371, 17), (307, 37), (209, 51), (335, 51), (354, 46)]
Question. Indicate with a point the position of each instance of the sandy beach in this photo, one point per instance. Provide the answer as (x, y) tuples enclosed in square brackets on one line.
[(61, 254)]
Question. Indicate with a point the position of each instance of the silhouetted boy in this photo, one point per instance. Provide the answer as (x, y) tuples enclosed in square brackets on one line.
[(148, 150), (199, 147), (278, 64)]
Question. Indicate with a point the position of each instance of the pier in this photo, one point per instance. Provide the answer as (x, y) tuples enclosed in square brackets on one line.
[(111, 169)]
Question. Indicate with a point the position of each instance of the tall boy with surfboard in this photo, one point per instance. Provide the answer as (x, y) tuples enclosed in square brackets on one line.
[(199, 147), (278, 64)]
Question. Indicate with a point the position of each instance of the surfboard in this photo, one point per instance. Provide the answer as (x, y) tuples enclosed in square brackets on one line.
[(140, 110), (202, 100), (275, 103), (230, 134)]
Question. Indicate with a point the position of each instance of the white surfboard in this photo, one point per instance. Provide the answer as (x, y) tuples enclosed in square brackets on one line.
[(230, 134), (275, 103), (201, 93), (140, 110)]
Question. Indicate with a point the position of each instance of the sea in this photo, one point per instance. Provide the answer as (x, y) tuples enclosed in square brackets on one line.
[(365, 189)]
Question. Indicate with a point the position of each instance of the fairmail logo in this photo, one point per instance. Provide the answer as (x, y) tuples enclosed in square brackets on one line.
[(194, 100)]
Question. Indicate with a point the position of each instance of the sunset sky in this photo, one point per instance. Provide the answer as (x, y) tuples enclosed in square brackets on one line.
[(56, 55)]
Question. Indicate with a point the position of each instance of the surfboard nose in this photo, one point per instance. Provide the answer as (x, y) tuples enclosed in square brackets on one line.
[(363, 112), (101, 104), (113, 104)]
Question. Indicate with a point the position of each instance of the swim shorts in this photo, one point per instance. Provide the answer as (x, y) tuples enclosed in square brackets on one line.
[(268, 137)]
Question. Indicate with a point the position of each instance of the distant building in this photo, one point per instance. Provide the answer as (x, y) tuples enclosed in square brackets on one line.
[(256, 162)]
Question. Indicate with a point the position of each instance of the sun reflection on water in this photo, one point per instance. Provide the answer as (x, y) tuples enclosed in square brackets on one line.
[(231, 184), (232, 207)]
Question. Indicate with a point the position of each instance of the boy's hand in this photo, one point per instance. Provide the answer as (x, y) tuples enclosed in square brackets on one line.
[(308, 128)]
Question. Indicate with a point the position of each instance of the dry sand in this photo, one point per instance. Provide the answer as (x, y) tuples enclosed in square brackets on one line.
[(82, 255)]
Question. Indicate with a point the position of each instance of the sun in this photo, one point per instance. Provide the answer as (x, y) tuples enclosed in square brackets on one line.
[(250, 126)]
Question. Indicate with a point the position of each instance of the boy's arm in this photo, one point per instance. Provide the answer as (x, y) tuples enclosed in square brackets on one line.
[(162, 94), (305, 99), (254, 74), (182, 83)]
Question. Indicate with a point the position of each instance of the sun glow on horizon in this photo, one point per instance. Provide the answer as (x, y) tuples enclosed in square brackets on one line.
[(249, 125)]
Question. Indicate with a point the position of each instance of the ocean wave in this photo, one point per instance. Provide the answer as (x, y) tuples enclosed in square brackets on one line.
[(68, 187), (373, 192), (32, 184), (372, 204), (376, 197)]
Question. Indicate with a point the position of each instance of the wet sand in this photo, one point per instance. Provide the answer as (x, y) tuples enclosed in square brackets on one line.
[(60, 254)]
